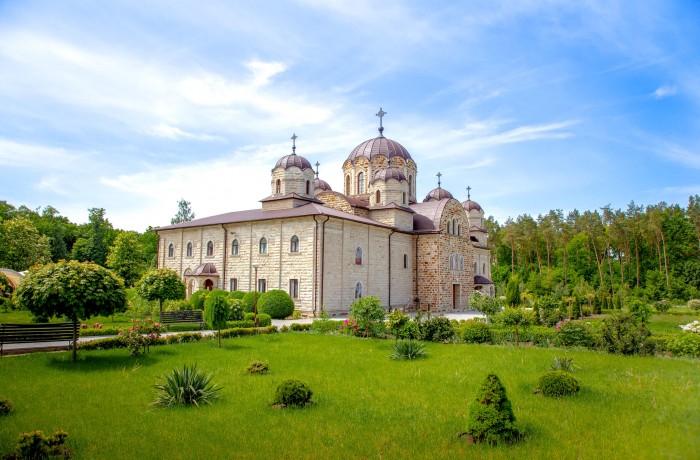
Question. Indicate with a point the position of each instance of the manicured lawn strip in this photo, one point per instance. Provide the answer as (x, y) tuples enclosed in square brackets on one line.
[(368, 406)]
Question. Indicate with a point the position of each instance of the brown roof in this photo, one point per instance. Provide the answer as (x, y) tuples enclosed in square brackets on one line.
[(311, 209), (322, 184), (427, 216), (478, 279), (288, 196), (388, 173), (437, 194), (474, 228), (392, 206), (470, 205), (379, 146), (293, 160), (207, 269)]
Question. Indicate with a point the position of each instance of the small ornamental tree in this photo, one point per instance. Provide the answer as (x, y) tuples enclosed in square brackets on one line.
[(487, 305), (513, 292), (76, 290), (276, 303), (515, 318), (161, 284), (367, 312), (491, 417), (216, 311)]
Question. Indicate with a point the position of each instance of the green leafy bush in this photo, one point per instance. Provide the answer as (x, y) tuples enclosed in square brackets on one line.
[(639, 309), (435, 328), (685, 344), (236, 311), (474, 331), (184, 327), (35, 445), (258, 367), (296, 327), (323, 325), (177, 305), (91, 331), (558, 383), (263, 319), (236, 295), (662, 306), (216, 310), (540, 336), (107, 343), (186, 386), (5, 406), (694, 304), (249, 300), (491, 418), (574, 334), (515, 318), (407, 350), (368, 314), (276, 303), (292, 392), (197, 299), (241, 332), (549, 310), (242, 323), (487, 305), (621, 334)]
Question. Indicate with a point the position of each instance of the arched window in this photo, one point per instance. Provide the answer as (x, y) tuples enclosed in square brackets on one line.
[(459, 230), (358, 290), (454, 227), (405, 261), (358, 256), (378, 197), (278, 186), (475, 269), (234, 248), (210, 249), (294, 244), (410, 183), (403, 198), (483, 269), (189, 249), (461, 263), (262, 247), (361, 183), (171, 250), (347, 184), (308, 187), (449, 227)]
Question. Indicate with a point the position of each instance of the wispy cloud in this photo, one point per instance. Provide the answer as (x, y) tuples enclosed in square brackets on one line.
[(175, 133), (664, 91), (19, 155)]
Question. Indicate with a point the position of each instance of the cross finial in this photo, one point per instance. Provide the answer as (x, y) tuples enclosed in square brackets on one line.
[(294, 143), (317, 165), (469, 189), (381, 114), (439, 175)]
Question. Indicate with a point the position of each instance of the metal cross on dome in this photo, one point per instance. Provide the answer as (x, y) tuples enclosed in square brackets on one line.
[(469, 189), (294, 142), (381, 114), (439, 175), (317, 165)]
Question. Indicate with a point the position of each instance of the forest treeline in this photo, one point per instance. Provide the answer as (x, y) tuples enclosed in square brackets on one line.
[(650, 252), (31, 236)]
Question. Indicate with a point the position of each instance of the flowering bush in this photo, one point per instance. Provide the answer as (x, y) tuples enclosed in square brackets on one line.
[(348, 326), (84, 326), (691, 327), (560, 324), (141, 335), (97, 326)]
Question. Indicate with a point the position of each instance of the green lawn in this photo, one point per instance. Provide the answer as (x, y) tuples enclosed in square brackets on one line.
[(368, 406)]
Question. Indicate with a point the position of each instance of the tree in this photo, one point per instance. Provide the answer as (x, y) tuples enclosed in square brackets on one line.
[(216, 311), (184, 212), (513, 292), (95, 239), (515, 318), (491, 418), (21, 245), (367, 312), (76, 290), (161, 284), (125, 257), (487, 305)]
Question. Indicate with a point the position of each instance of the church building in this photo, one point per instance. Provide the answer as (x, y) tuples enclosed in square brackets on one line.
[(327, 248)]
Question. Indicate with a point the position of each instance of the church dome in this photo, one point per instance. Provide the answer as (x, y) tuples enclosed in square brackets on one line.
[(437, 194), (379, 146), (293, 160), (388, 173), (471, 205), (320, 184)]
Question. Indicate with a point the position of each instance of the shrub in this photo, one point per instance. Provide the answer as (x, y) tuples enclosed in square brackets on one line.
[(109, 330), (685, 344), (240, 332), (292, 392), (475, 332), (107, 343), (549, 310), (487, 305), (562, 363), (184, 327), (491, 418), (435, 329), (658, 343), (574, 334), (241, 323), (197, 299), (236, 311), (396, 321), (296, 327), (408, 349), (141, 335), (662, 306), (263, 319), (249, 316), (35, 445), (249, 300), (694, 304), (296, 314), (639, 309), (6, 406), (258, 367), (691, 327), (515, 318), (557, 384), (236, 295), (183, 338), (186, 386), (276, 303), (323, 325), (177, 305), (368, 314), (620, 334), (216, 311)]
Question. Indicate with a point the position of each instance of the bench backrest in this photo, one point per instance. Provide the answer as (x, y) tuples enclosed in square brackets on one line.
[(29, 333), (182, 316)]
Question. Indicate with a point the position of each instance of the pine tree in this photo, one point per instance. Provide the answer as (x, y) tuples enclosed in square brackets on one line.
[(491, 417)]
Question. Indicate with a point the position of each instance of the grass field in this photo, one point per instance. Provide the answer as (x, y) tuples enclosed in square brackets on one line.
[(368, 406)]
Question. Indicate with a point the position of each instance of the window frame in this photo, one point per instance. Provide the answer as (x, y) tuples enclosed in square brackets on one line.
[(359, 256), (357, 293), (233, 284), (294, 288), (262, 285), (171, 250), (235, 247), (190, 249), (210, 248), (294, 244), (262, 246)]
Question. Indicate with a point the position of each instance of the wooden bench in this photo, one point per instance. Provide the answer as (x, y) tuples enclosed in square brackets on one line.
[(182, 317), (35, 333)]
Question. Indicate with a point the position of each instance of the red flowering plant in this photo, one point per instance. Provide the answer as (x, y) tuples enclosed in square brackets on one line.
[(98, 326), (348, 326), (141, 335)]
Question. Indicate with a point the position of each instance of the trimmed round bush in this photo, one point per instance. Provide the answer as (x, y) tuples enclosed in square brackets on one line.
[(197, 299), (292, 392), (694, 304), (249, 299), (6, 406), (557, 384), (276, 303), (264, 320), (236, 295), (174, 305), (475, 332)]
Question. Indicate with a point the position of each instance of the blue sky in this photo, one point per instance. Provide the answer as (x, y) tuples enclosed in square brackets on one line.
[(536, 105)]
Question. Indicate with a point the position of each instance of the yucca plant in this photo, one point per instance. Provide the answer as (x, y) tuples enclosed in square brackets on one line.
[(562, 363), (408, 349), (186, 386)]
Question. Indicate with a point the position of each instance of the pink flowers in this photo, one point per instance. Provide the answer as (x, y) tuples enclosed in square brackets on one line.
[(83, 326), (96, 325), (561, 323)]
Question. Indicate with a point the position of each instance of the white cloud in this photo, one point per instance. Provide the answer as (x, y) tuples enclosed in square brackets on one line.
[(664, 91), (174, 133), (18, 155)]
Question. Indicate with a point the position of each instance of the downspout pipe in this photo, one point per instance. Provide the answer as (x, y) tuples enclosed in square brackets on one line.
[(315, 298), (392, 232), (415, 268), (223, 280), (323, 254)]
